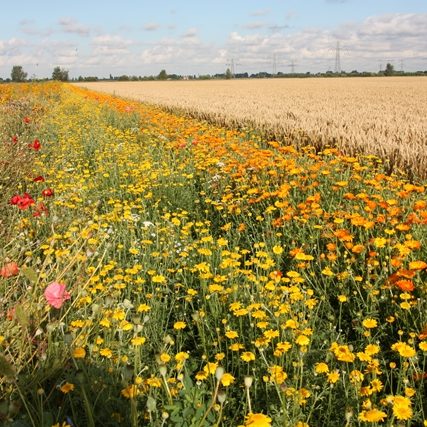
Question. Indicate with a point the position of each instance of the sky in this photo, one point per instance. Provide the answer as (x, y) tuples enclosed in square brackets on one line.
[(99, 38)]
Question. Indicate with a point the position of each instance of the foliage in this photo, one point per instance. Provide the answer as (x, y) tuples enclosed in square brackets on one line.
[(60, 74), (18, 74), (162, 75), (389, 70), (208, 276)]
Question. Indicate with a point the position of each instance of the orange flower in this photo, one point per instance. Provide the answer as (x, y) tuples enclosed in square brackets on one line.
[(417, 265), (8, 270), (405, 285)]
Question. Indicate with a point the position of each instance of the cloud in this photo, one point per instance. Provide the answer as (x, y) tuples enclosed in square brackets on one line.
[(29, 27), (70, 25), (109, 45), (191, 33), (260, 12), (276, 28), (151, 26), (364, 44), (254, 25)]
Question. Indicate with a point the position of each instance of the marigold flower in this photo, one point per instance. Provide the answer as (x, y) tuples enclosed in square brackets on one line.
[(370, 323), (372, 416), (231, 334), (333, 377), (247, 356), (403, 349), (321, 368), (66, 388), (137, 341), (130, 391), (257, 420), (179, 325), (402, 408), (227, 379), (79, 353)]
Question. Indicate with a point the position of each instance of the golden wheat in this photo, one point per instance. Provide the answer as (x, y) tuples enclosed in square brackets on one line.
[(380, 116)]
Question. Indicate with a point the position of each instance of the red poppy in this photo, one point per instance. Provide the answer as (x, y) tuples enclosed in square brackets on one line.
[(41, 209), (36, 145), (23, 202), (14, 139), (38, 179), (15, 199), (48, 192), (26, 120)]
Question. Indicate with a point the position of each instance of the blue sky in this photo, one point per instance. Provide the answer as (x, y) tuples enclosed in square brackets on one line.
[(95, 37)]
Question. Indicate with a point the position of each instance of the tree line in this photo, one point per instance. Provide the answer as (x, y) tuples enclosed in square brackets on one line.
[(19, 75)]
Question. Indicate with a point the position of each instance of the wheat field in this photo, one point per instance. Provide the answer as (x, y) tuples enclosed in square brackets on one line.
[(381, 116)]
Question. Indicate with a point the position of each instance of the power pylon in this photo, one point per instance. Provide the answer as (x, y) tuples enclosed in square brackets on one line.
[(338, 58)]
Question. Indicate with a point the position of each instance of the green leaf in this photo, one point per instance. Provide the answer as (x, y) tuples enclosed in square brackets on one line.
[(30, 274), (6, 369)]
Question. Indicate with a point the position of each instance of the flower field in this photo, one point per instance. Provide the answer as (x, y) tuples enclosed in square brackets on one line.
[(159, 270)]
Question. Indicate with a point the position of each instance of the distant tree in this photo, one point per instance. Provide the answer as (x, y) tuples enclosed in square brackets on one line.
[(17, 74), (228, 74), (60, 74), (389, 70), (162, 75)]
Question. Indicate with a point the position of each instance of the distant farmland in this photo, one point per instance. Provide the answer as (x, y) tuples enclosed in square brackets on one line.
[(381, 116)]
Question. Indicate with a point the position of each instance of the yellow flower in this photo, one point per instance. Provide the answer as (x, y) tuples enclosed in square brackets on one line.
[(372, 416), (165, 358), (210, 368), (179, 325), (181, 356), (257, 420), (372, 349), (321, 368), (158, 278), (79, 353), (342, 298), (342, 353), (136, 341), (333, 377), (409, 392), (380, 242), (370, 323), (143, 308), (130, 391), (106, 352), (201, 375), (403, 349), (402, 408), (67, 387), (227, 379), (423, 345), (302, 340), (277, 250), (247, 356), (231, 334)]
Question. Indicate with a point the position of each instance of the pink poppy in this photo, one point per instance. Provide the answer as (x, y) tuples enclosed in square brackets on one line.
[(56, 294)]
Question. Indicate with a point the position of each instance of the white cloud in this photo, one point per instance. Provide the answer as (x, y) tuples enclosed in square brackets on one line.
[(151, 26), (260, 12), (70, 25)]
